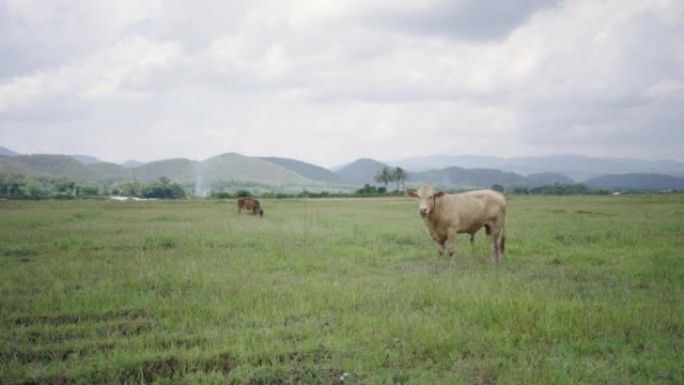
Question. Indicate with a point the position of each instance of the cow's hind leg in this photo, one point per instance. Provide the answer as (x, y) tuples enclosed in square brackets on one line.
[(498, 240)]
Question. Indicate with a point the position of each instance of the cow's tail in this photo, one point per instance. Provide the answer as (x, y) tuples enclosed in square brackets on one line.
[(503, 243)]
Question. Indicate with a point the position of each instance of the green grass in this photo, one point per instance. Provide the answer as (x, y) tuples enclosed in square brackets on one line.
[(591, 290)]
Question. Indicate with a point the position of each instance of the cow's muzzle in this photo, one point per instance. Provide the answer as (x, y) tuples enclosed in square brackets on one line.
[(423, 212)]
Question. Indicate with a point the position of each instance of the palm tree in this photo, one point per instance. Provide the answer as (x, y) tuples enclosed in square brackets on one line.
[(384, 176), (400, 176)]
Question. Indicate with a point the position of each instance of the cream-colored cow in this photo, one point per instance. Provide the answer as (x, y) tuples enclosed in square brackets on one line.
[(447, 215)]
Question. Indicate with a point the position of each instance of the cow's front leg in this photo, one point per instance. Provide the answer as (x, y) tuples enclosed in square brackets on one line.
[(440, 252), (450, 246)]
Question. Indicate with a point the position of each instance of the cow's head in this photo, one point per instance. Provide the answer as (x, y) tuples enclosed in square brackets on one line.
[(426, 199)]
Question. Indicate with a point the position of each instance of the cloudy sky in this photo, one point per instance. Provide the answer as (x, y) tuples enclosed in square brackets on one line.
[(330, 81)]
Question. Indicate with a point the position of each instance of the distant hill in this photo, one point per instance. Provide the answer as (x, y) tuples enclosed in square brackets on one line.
[(229, 171), (456, 177), (436, 162), (306, 170), (180, 170), (637, 181), (545, 178), (63, 166), (360, 172), (7, 152), (219, 170), (131, 164), (233, 166), (576, 167), (87, 159)]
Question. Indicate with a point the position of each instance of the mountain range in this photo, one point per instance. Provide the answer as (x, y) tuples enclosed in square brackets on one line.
[(576, 167), (231, 170)]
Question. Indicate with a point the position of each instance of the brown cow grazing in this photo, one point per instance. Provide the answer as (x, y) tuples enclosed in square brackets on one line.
[(447, 215), (250, 204)]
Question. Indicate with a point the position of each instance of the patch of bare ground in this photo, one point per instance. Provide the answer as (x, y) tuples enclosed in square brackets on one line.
[(173, 366), (63, 319), (50, 354)]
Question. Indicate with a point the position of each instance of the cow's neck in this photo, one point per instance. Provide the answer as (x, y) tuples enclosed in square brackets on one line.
[(433, 217), (434, 214)]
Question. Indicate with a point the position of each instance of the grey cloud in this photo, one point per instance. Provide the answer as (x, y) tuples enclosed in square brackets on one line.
[(36, 36), (196, 24), (648, 127), (47, 111), (16, 59), (476, 20)]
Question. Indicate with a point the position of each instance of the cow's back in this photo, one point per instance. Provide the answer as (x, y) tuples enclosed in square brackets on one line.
[(493, 202), (474, 208), (247, 203), (489, 198)]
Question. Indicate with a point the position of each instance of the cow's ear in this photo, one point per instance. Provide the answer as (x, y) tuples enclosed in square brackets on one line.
[(411, 194), (439, 194)]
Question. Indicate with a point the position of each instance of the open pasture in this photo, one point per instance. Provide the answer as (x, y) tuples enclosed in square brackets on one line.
[(340, 291)]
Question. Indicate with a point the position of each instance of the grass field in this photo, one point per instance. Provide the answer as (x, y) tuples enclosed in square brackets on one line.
[(590, 291)]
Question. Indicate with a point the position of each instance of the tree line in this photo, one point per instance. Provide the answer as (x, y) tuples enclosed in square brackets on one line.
[(559, 189), (20, 186)]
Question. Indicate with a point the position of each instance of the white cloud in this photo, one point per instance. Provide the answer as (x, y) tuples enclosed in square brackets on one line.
[(130, 71), (135, 67)]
